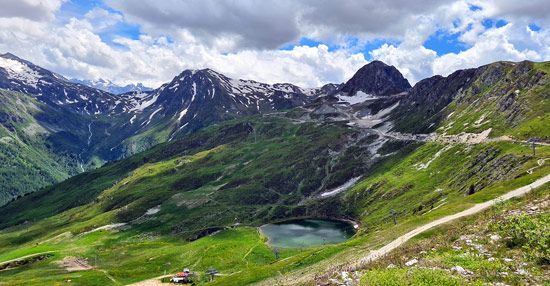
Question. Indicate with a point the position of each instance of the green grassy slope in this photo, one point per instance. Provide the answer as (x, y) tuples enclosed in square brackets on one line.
[(31, 156), (506, 244), (436, 174), (173, 197), (253, 181)]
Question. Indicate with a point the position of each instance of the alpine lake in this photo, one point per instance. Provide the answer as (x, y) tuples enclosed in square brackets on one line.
[(303, 233)]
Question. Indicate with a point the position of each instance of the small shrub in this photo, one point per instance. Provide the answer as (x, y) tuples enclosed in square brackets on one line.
[(472, 190), (531, 233), (404, 276)]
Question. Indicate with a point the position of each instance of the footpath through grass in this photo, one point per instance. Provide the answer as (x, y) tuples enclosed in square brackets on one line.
[(507, 244)]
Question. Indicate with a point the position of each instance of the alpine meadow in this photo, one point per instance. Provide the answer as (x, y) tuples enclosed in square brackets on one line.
[(316, 143)]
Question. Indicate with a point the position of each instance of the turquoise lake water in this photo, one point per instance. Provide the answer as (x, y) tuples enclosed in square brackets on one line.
[(307, 233)]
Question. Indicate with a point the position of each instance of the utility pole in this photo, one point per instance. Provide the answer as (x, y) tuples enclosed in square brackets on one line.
[(276, 251), (393, 213), (532, 140), (212, 272)]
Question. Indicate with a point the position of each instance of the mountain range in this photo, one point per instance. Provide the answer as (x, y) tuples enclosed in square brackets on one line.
[(109, 86), (74, 127), (144, 179)]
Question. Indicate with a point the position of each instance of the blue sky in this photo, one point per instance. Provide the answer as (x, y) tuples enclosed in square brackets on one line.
[(308, 42), (442, 42), (79, 8)]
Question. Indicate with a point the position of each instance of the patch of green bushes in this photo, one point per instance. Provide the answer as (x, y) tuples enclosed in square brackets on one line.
[(530, 233), (413, 276)]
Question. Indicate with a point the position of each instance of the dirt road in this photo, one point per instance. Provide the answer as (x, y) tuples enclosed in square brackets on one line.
[(153, 281), (473, 210), (375, 254), (26, 256)]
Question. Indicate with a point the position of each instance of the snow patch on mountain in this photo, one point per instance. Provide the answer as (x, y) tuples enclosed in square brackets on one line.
[(175, 86), (194, 91), (182, 114), (141, 104), (341, 188), (251, 87), (357, 98), (20, 71), (151, 116)]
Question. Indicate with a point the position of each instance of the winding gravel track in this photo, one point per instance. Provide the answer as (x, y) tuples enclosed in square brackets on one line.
[(375, 254), (473, 210)]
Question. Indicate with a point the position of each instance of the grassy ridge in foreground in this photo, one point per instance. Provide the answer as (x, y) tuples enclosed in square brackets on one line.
[(506, 244)]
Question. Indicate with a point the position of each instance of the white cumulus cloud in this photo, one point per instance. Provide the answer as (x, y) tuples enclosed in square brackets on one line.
[(243, 38)]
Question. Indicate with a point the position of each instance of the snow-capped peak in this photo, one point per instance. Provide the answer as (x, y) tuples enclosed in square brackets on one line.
[(109, 86), (19, 70)]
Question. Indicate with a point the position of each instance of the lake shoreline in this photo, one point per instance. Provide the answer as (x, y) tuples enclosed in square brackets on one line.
[(330, 225)]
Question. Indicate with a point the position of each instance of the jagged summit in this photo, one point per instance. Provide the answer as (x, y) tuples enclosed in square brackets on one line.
[(111, 87), (9, 55), (197, 98), (376, 78), (52, 89)]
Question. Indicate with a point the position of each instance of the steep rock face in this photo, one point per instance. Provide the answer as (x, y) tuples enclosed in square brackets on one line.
[(376, 78), (422, 105), (198, 98), (500, 96), (437, 92)]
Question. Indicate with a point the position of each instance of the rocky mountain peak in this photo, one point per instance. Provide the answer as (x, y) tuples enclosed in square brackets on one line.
[(50, 88), (9, 56), (111, 87), (376, 78)]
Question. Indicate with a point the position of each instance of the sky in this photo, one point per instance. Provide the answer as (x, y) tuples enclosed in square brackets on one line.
[(305, 42)]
